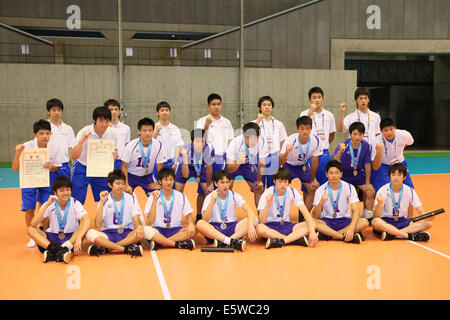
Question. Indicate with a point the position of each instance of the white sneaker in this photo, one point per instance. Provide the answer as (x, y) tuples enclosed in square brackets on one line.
[(31, 244)]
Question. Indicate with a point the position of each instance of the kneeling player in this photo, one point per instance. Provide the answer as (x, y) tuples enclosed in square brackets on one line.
[(391, 209)]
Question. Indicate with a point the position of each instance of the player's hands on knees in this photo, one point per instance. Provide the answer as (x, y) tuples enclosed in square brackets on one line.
[(349, 234), (140, 231), (251, 233)]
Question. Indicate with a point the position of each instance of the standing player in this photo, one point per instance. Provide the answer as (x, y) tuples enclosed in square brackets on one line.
[(297, 150), (122, 130), (219, 217), (219, 130), (274, 207), (32, 198), (323, 127), (274, 132), (355, 155), (331, 208), (370, 119), (246, 156), (99, 130), (62, 133), (391, 209), (140, 157)]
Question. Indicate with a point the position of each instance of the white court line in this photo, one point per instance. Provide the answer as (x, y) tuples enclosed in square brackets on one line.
[(429, 249), (159, 272)]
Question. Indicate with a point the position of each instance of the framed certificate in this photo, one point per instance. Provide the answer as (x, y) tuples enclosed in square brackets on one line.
[(32, 174), (100, 159)]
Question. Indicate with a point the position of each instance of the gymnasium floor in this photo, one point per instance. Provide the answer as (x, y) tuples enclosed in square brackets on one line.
[(333, 270)]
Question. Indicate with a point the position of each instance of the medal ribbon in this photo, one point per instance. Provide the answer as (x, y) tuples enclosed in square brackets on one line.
[(396, 205), (62, 221), (335, 203), (198, 166), (118, 215), (223, 210), (352, 154), (300, 148), (167, 213), (280, 208), (145, 159), (251, 160)]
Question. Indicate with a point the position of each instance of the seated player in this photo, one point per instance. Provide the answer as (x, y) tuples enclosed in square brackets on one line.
[(274, 207), (32, 198), (391, 209), (118, 214), (355, 154), (219, 217), (139, 158), (196, 161), (64, 234), (163, 211), (246, 156), (297, 150), (331, 208), (387, 150)]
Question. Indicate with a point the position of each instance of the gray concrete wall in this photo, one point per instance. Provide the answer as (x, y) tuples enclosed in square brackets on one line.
[(25, 88)]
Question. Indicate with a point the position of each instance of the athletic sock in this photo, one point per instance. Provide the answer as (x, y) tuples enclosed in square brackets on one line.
[(227, 241)]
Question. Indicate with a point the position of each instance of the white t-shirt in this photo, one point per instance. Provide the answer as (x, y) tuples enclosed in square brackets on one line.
[(109, 134), (294, 157), (409, 197), (323, 124), (292, 197), (181, 206), (237, 147), (56, 153), (220, 132), (393, 151), (348, 196), (131, 208), (64, 137), (124, 135), (170, 137), (132, 156), (76, 213), (274, 132), (234, 200), (372, 128)]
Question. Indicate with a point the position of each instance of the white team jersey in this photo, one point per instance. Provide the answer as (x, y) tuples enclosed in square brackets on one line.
[(64, 137), (181, 207), (219, 133), (348, 196), (274, 132), (409, 197), (124, 135), (294, 157), (109, 134), (323, 124), (292, 196), (170, 137), (133, 157), (372, 128), (76, 212), (237, 147), (131, 208), (393, 151), (56, 153), (234, 200)]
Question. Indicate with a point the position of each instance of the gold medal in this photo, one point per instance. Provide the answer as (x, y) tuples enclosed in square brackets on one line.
[(253, 169), (61, 236), (282, 222), (334, 215), (120, 230), (168, 225), (396, 218), (146, 171), (304, 167), (223, 226), (355, 172), (197, 180)]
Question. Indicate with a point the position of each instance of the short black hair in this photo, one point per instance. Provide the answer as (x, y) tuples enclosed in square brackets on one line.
[(315, 90), (305, 120), (251, 129), (54, 103), (398, 167), (101, 112), (111, 102), (386, 122), (334, 164), (220, 174), (41, 125), (282, 174), (146, 122), (357, 126), (362, 91), (61, 182), (166, 172), (198, 133), (162, 104), (116, 174), (213, 96), (265, 98)]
